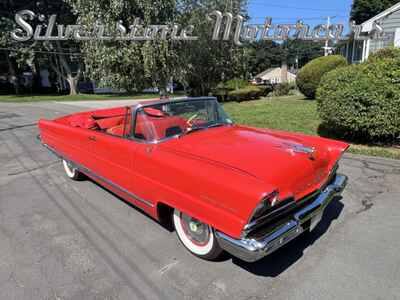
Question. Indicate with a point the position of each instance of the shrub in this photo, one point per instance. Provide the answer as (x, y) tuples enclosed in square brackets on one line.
[(310, 75), (238, 90), (235, 84), (362, 102), (250, 92), (385, 53), (284, 89)]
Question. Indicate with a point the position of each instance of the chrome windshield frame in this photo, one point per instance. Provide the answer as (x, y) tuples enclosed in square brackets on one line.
[(135, 109)]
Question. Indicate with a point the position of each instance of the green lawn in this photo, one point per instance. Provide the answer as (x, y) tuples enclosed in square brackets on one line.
[(80, 97), (292, 113)]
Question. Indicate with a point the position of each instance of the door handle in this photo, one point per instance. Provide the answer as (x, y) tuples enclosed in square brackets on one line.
[(92, 138)]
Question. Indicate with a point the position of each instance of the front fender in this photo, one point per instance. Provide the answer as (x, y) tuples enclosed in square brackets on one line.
[(219, 196)]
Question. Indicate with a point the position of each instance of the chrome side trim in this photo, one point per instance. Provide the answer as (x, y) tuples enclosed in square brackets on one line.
[(99, 177), (251, 250), (260, 221)]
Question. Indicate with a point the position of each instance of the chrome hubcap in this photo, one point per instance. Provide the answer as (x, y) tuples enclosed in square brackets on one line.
[(70, 167), (197, 232)]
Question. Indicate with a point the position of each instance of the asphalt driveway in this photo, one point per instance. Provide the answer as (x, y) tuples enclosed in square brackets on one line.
[(74, 240)]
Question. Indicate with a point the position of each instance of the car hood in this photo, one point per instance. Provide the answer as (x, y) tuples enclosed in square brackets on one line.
[(295, 164)]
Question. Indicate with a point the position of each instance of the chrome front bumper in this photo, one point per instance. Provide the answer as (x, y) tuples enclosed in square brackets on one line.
[(251, 250)]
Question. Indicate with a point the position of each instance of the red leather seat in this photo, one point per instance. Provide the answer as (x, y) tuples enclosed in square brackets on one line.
[(108, 123), (152, 128), (152, 124), (122, 128), (83, 121)]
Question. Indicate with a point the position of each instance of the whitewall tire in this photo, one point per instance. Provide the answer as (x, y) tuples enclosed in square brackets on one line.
[(72, 172), (196, 236)]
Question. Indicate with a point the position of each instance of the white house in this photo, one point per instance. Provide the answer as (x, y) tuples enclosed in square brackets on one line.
[(379, 32), (274, 76)]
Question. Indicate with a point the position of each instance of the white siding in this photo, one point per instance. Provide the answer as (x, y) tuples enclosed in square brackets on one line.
[(391, 22), (390, 25)]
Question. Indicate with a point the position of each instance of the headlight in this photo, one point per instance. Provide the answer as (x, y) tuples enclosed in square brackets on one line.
[(265, 204)]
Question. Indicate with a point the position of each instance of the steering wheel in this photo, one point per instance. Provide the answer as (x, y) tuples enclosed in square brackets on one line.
[(190, 120)]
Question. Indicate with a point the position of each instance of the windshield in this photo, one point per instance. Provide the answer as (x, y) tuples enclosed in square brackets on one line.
[(165, 120)]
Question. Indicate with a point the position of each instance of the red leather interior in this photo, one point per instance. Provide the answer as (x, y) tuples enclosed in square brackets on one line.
[(155, 127), (117, 130), (83, 121), (110, 122), (120, 130), (151, 123), (108, 113), (154, 112)]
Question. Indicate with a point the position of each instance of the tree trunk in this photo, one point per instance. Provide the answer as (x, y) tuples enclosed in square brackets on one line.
[(72, 80), (13, 75), (73, 87), (36, 79)]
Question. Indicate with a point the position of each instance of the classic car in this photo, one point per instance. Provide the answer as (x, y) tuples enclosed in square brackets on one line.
[(224, 187)]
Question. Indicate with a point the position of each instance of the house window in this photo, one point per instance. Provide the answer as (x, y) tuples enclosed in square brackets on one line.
[(379, 43), (358, 51)]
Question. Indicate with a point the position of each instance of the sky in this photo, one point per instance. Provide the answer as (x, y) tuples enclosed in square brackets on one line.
[(312, 12)]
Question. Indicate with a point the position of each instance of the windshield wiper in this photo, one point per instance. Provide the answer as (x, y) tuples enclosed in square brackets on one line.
[(195, 129), (216, 124), (205, 127)]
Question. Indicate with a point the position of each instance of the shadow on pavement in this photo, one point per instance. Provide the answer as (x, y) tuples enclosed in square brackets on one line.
[(276, 263)]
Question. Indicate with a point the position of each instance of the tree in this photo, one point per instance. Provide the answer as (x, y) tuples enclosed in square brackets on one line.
[(14, 53), (264, 55), (200, 64), (129, 65), (300, 52), (209, 62), (269, 54), (62, 57), (363, 10)]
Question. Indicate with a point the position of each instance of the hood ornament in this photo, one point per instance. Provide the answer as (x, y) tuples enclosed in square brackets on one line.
[(297, 148)]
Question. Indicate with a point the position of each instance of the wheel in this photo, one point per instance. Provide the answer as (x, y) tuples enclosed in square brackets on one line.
[(72, 172), (196, 236)]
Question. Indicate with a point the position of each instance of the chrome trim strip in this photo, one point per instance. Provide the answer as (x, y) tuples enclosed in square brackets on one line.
[(91, 173), (260, 221), (251, 250), (254, 224)]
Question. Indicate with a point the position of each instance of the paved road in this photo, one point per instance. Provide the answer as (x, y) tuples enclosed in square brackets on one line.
[(66, 240)]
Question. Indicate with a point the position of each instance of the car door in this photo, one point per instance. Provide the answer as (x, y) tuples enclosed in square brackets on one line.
[(73, 144), (114, 159), (114, 154)]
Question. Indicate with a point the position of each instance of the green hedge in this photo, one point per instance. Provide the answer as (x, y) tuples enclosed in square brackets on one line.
[(362, 102), (310, 75), (248, 92), (284, 89), (385, 53), (233, 84)]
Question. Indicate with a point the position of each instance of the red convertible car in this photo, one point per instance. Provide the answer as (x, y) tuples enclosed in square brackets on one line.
[(223, 186)]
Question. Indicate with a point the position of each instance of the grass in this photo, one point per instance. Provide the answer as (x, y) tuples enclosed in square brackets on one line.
[(80, 97), (291, 113), (296, 114)]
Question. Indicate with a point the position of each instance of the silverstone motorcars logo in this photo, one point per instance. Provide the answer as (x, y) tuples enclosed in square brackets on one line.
[(224, 26)]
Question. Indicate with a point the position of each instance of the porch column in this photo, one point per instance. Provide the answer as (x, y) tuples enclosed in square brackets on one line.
[(367, 48), (364, 51)]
